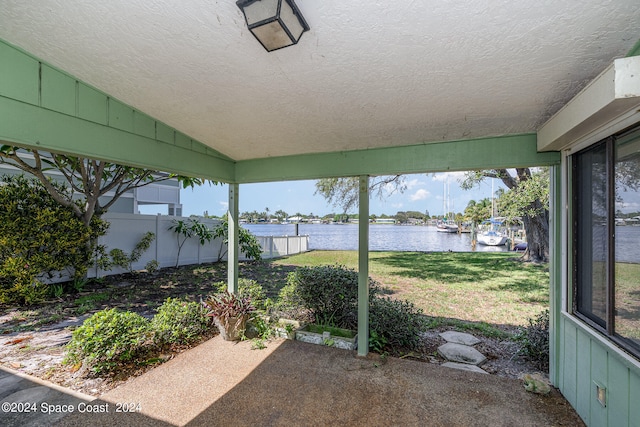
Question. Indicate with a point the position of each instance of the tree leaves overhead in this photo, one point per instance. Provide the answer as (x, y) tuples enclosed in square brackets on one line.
[(345, 192), (90, 178)]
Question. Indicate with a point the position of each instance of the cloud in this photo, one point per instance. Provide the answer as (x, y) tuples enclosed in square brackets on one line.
[(414, 183), (451, 176), (421, 194)]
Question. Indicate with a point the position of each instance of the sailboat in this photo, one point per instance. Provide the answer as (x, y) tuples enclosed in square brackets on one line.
[(492, 235), (447, 224)]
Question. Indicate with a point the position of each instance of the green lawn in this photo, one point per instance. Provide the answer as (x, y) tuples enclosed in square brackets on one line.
[(627, 299), (486, 287)]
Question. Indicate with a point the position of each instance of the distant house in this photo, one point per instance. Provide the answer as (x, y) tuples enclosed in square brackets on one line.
[(385, 221), (165, 194)]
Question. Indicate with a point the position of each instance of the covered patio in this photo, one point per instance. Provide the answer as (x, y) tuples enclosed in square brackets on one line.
[(220, 383), (373, 88)]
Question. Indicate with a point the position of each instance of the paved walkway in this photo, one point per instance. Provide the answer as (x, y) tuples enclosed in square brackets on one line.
[(29, 401), (297, 384)]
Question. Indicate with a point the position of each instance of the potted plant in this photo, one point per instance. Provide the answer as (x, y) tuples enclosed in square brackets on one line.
[(230, 313)]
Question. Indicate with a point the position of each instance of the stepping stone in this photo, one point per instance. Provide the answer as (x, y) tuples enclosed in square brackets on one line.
[(464, 367), (460, 338), (461, 353)]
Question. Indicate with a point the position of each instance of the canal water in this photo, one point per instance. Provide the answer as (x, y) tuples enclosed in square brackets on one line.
[(382, 237), (387, 237)]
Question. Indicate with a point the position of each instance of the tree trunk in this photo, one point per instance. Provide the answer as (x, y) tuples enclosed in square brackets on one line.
[(537, 229), (536, 226)]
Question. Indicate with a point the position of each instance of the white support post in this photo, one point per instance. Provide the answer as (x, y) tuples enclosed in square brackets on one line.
[(363, 268), (232, 250)]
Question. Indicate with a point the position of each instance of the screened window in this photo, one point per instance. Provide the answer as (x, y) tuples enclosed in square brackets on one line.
[(606, 234)]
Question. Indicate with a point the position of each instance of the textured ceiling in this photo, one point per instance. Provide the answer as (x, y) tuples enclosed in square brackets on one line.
[(368, 73)]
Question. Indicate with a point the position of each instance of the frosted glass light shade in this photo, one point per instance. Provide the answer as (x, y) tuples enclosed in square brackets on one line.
[(275, 23)]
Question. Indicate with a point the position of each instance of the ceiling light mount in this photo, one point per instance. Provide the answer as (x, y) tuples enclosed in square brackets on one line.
[(275, 23)]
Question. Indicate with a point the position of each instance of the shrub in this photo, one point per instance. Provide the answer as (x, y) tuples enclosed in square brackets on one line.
[(107, 339), (397, 323), (120, 258), (39, 237), (188, 228), (535, 340), (152, 266), (247, 288), (248, 243), (290, 304), (179, 322), (329, 292), (18, 281)]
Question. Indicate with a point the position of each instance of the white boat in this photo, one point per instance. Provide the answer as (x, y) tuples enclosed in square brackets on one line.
[(447, 224), (492, 238), (493, 235), (447, 227)]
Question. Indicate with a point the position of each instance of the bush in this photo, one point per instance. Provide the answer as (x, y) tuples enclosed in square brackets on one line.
[(329, 292), (179, 322), (535, 340), (289, 304), (248, 243), (18, 281), (397, 323), (107, 339), (39, 237), (247, 288)]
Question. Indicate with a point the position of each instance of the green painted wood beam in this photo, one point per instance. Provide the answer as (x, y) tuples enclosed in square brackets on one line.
[(363, 268), (35, 127), (555, 273), (232, 245), (635, 50), (45, 108), (482, 153)]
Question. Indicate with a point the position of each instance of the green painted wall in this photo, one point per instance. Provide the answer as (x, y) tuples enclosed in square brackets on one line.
[(581, 356), (42, 107), (584, 361)]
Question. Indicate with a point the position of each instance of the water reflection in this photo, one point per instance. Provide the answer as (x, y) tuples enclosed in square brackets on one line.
[(381, 237)]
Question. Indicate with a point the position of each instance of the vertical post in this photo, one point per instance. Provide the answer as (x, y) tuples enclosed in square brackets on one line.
[(363, 268), (555, 271), (156, 240), (232, 251)]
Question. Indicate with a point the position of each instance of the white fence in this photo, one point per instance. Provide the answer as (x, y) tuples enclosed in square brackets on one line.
[(127, 230), (275, 246)]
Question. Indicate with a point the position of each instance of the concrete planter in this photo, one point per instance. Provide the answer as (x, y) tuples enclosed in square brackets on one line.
[(287, 328), (233, 329), (332, 337)]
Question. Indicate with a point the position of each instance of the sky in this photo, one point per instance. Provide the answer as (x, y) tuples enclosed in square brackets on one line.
[(424, 192)]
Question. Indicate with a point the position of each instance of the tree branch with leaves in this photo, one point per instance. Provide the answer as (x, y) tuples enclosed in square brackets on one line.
[(99, 183), (345, 192)]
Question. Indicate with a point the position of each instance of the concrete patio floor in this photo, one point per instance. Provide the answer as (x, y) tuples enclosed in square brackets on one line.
[(293, 384)]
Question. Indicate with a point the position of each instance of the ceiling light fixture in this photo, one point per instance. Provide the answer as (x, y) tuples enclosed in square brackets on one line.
[(275, 23)]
